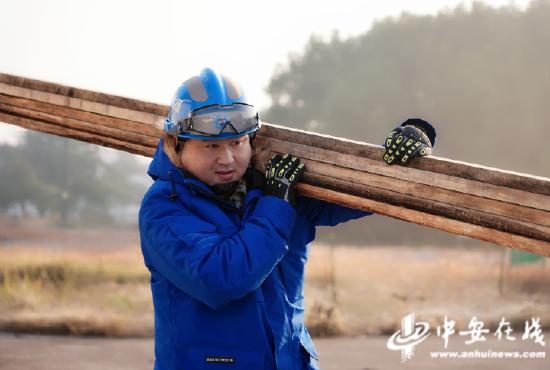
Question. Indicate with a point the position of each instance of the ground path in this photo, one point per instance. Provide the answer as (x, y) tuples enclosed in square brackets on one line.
[(32, 352)]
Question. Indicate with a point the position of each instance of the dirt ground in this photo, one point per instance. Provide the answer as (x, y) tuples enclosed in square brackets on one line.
[(31, 352)]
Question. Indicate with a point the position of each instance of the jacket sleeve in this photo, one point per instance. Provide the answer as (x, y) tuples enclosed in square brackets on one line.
[(323, 213), (195, 256)]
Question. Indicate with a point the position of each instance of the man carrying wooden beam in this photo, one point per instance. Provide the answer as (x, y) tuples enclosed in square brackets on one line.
[(497, 206), (225, 244)]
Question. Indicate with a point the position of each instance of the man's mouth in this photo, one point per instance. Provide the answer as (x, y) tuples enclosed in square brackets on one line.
[(226, 174)]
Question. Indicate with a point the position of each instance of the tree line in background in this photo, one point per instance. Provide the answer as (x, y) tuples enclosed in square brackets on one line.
[(69, 180)]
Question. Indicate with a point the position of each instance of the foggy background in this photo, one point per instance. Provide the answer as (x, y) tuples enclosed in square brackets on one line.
[(479, 72)]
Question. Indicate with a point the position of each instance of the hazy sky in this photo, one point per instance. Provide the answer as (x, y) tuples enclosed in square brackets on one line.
[(145, 49)]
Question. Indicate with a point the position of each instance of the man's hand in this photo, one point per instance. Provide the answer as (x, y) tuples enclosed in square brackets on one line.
[(282, 175), (405, 142)]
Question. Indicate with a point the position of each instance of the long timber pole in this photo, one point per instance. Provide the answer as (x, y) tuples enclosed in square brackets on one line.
[(502, 207)]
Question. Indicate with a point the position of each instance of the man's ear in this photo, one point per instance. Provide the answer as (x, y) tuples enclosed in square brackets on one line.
[(177, 146), (179, 141)]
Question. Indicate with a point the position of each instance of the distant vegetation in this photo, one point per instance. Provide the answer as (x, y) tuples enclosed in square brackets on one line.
[(68, 180), (480, 76)]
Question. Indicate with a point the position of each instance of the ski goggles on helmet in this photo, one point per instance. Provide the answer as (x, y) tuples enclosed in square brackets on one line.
[(214, 120)]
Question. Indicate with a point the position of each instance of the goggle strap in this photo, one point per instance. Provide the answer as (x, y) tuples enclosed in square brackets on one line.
[(180, 127)]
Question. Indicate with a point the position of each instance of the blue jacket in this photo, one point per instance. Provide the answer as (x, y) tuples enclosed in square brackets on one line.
[(228, 285)]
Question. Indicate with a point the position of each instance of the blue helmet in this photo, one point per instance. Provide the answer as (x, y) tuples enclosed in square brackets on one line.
[(211, 106)]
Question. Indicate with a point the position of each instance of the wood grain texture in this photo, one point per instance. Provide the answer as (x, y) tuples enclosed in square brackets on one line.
[(85, 127), (421, 191), (144, 110), (463, 170), (461, 185), (77, 135), (430, 207), (460, 169), (130, 126), (92, 96), (436, 222), (80, 104)]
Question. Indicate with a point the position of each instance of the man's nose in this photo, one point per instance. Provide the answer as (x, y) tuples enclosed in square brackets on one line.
[(226, 156)]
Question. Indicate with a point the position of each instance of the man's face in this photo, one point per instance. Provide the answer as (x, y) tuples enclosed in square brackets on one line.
[(217, 161)]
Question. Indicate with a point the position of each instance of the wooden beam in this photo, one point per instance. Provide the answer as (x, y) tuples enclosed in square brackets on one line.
[(92, 96), (448, 211), (463, 170), (421, 191), (82, 126), (510, 179), (503, 207), (85, 105), (436, 222), (121, 124), (414, 175), (77, 135)]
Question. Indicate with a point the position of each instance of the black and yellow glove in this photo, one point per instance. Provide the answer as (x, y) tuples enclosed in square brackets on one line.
[(405, 142), (282, 175)]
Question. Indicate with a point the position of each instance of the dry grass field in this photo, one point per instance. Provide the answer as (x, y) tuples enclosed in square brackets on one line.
[(86, 292), (376, 287), (99, 292), (105, 291)]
